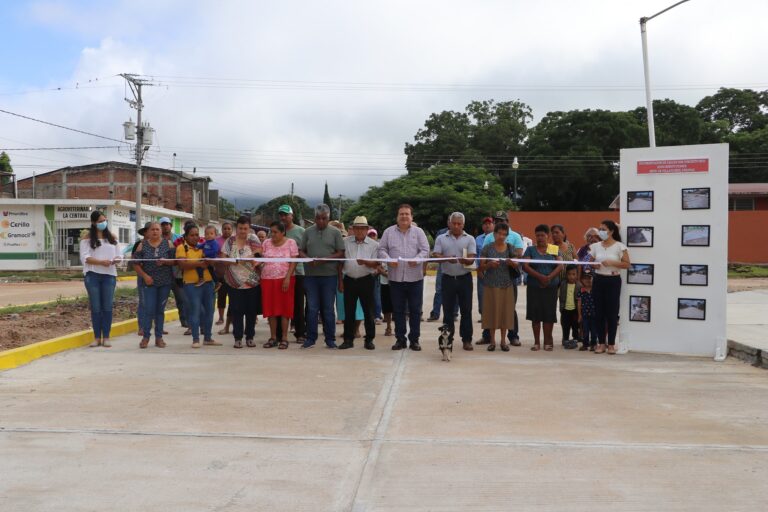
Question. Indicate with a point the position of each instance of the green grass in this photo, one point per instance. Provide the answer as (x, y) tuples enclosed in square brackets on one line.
[(747, 271), (43, 276), (8, 310)]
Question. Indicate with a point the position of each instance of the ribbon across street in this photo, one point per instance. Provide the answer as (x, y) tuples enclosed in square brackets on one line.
[(380, 260)]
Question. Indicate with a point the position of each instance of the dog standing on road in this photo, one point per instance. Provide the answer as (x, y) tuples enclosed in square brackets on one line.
[(445, 342)]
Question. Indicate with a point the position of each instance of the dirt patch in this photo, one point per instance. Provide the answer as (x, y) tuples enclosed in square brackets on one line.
[(743, 285), (58, 319)]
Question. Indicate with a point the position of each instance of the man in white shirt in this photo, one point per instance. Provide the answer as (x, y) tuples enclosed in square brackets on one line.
[(356, 281)]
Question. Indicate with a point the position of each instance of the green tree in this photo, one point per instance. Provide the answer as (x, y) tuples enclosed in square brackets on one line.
[(327, 197), (487, 134), (434, 193), (227, 210), (301, 209), (5, 168), (742, 109), (677, 124), (572, 160), (747, 160)]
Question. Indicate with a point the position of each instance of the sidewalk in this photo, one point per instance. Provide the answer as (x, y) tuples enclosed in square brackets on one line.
[(748, 325), (318, 430)]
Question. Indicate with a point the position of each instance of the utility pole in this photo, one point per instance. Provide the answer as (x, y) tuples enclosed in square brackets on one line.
[(141, 132)]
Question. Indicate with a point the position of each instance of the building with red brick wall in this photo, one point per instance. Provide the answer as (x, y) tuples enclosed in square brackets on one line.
[(174, 190)]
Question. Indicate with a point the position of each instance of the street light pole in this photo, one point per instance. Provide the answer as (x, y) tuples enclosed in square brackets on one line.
[(515, 165), (648, 100), (136, 83)]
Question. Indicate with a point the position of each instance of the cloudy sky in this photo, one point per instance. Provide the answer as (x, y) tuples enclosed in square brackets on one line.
[(260, 94)]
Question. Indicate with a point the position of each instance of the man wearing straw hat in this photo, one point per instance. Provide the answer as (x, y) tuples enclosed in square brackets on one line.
[(357, 281)]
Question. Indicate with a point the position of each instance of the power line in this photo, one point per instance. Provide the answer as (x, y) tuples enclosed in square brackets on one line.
[(56, 149), (60, 126)]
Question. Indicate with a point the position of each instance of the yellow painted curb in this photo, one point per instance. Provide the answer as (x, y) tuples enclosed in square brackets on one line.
[(20, 356), (126, 278)]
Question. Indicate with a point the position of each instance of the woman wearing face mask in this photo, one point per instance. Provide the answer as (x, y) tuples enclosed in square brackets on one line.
[(610, 256), (98, 254)]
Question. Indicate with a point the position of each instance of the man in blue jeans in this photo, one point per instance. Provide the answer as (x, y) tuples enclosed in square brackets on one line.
[(456, 276), (406, 278), (320, 277)]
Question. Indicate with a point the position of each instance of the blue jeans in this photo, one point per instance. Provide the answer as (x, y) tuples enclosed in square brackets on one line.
[(407, 296), (153, 299), (480, 295), (101, 295), (377, 296), (181, 301), (140, 294), (321, 297), (588, 331), (200, 304), (457, 291)]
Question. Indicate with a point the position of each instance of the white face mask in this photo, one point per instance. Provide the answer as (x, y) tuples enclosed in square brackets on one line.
[(603, 234)]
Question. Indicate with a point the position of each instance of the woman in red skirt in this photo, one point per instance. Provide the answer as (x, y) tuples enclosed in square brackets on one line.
[(277, 283)]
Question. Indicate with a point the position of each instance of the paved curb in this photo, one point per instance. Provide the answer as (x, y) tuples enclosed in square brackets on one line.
[(751, 355), (16, 357)]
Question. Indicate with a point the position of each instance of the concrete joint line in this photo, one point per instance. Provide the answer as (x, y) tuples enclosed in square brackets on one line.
[(365, 483)]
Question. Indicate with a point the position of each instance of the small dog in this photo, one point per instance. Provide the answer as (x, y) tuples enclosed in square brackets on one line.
[(445, 342)]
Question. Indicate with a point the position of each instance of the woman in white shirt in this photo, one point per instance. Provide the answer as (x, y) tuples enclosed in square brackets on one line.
[(610, 256), (98, 254)]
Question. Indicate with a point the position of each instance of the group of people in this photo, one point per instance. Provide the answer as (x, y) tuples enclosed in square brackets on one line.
[(371, 276)]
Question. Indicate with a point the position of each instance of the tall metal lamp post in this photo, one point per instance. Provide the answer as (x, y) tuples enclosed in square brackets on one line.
[(515, 165), (648, 101)]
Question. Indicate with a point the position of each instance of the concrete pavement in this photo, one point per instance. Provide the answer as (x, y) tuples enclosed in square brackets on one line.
[(256, 429), (16, 294)]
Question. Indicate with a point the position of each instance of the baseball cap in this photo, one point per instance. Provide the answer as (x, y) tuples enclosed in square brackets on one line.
[(286, 208), (165, 220), (488, 219), (501, 214)]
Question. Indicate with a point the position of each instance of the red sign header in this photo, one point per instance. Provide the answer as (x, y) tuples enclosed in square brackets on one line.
[(673, 166)]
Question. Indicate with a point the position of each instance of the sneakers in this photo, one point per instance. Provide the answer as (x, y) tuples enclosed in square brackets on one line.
[(212, 343), (196, 344), (106, 344), (308, 344)]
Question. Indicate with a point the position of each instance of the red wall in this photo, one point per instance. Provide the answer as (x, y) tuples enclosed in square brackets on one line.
[(746, 241)]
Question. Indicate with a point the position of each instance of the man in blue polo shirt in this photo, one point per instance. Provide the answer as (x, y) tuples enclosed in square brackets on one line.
[(516, 241)]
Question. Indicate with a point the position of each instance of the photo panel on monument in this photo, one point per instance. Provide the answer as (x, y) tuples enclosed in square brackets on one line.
[(694, 275), (695, 235), (691, 309), (640, 236), (640, 273), (696, 198), (639, 308), (640, 201)]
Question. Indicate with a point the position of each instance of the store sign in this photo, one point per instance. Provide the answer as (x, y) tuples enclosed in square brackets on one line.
[(673, 166), (17, 230), (73, 213)]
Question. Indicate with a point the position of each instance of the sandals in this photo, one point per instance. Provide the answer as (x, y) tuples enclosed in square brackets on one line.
[(549, 348), (491, 347), (536, 347), (270, 343), (144, 343), (238, 343), (250, 343), (504, 347), (220, 321), (388, 331), (283, 345), (223, 332)]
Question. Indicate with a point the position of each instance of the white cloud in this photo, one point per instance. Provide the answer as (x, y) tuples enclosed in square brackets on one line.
[(531, 44)]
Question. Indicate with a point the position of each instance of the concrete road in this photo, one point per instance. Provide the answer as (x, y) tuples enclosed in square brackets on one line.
[(15, 294), (255, 429)]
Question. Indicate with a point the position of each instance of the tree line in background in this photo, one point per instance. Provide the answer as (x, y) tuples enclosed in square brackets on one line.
[(462, 161)]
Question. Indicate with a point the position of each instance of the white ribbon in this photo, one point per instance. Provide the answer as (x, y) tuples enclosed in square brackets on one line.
[(380, 260)]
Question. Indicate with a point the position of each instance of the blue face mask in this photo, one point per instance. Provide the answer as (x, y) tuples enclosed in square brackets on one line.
[(603, 234), (101, 226)]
